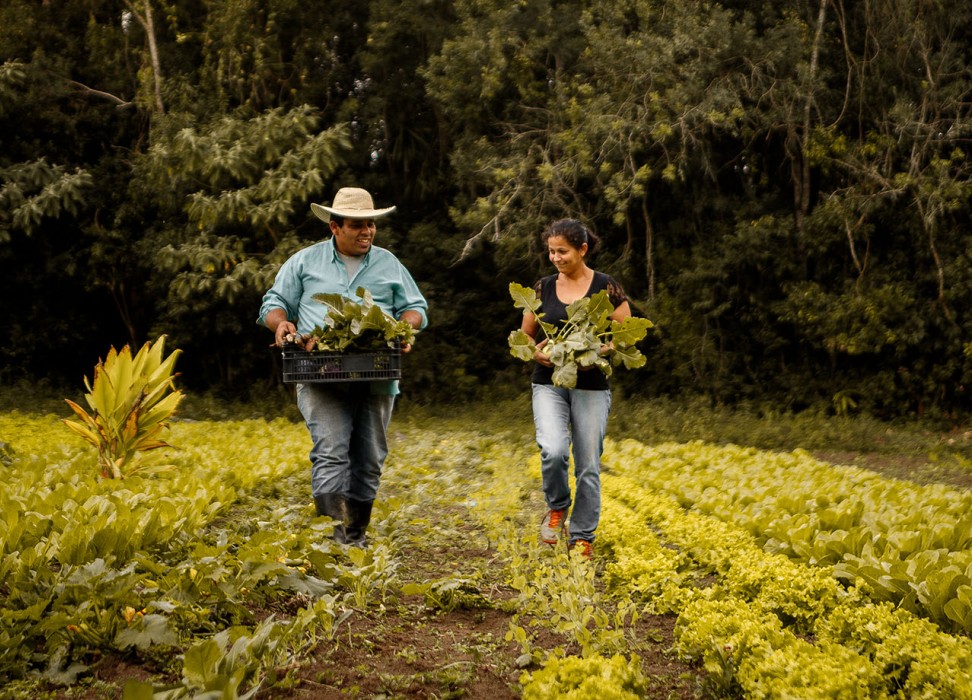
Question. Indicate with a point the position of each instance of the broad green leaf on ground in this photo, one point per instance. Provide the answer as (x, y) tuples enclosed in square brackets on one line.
[(146, 630)]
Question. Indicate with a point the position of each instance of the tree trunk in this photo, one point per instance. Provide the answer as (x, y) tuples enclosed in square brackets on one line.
[(148, 24), (801, 167)]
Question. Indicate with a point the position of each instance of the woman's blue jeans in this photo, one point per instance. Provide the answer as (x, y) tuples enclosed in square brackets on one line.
[(572, 421), (347, 424)]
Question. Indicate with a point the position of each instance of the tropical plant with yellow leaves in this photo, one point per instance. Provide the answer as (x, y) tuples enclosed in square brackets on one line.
[(130, 404)]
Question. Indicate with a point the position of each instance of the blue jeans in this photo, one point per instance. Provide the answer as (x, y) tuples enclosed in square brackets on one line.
[(347, 424), (572, 420)]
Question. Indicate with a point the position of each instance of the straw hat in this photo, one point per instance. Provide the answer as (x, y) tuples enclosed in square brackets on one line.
[(350, 203)]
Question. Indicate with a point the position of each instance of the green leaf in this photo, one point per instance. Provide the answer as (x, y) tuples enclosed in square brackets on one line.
[(409, 589), (593, 311), (138, 690), (333, 301), (589, 337), (358, 326), (59, 672), (630, 356), (524, 297), (587, 357), (630, 331), (565, 375), (201, 664), (959, 608), (521, 345), (146, 631)]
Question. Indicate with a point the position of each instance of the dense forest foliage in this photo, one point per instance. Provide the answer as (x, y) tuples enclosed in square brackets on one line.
[(782, 187)]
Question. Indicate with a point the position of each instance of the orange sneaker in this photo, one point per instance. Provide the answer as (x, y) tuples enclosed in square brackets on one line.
[(583, 548), (552, 526)]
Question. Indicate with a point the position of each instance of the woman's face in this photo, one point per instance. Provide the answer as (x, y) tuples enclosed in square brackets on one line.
[(564, 256)]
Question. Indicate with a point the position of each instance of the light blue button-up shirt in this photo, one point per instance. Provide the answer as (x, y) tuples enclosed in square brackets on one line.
[(318, 269)]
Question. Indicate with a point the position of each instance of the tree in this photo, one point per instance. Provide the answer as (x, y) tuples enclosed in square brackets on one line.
[(232, 196)]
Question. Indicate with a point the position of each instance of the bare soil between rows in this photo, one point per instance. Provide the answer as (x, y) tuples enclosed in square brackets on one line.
[(405, 649)]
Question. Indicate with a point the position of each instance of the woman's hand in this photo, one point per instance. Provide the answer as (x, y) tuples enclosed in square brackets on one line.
[(540, 356)]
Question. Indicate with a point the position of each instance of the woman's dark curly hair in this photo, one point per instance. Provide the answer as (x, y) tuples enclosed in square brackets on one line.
[(572, 231)]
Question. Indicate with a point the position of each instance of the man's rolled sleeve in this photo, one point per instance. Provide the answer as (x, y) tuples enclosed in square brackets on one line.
[(284, 294), (411, 299)]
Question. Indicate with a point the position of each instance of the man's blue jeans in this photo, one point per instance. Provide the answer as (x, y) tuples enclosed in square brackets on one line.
[(572, 420), (347, 424)]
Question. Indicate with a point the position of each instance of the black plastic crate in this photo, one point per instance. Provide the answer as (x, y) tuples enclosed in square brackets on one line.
[(302, 367)]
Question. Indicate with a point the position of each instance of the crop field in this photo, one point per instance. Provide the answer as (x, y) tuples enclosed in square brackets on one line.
[(720, 571)]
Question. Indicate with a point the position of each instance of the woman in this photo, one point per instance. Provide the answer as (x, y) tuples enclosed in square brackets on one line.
[(570, 418)]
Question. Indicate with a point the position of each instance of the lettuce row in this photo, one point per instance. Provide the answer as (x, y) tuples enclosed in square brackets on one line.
[(641, 564), (750, 627), (591, 678), (909, 544)]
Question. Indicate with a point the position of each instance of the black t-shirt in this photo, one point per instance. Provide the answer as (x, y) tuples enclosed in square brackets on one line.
[(555, 311)]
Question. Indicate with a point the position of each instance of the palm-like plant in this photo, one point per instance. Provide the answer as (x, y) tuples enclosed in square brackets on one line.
[(131, 404)]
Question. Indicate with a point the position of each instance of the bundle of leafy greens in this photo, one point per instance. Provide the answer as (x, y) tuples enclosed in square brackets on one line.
[(353, 326), (588, 338)]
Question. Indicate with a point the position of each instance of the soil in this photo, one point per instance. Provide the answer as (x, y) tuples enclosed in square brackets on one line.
[(904, 467), (410, 650)]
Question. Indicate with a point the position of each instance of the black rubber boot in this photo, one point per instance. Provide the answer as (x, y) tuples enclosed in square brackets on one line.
[(359, 515), (334, 506)]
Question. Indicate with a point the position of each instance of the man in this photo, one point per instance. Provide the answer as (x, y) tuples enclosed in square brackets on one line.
[(347, 420)]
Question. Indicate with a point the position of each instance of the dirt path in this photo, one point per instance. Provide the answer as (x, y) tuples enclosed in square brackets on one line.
[(407, 648), (450, 640)]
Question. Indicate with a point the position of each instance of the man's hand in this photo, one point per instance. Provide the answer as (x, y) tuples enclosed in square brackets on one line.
[(284, 331), (414, 319)]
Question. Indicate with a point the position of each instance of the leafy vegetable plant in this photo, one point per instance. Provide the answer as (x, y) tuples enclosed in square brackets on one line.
[(357, 326), (589, 337), (130, 404)]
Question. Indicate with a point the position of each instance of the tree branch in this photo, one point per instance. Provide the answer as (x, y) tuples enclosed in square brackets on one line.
[(119, 102)]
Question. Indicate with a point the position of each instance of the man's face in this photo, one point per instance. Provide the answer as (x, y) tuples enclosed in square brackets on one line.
[(354, 236)]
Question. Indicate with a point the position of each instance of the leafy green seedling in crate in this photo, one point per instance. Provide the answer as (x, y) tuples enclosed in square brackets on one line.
[(358, 326), (589, 338)]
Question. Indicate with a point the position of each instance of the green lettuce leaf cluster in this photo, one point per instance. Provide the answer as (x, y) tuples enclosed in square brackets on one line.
[(589, 337), (353, 326)]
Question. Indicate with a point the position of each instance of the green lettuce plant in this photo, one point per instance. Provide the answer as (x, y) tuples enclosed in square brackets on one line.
[(357, 326), (589, 337), (131, 400), (594, 678)]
